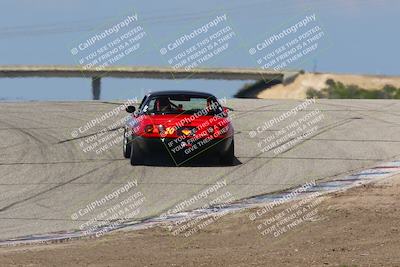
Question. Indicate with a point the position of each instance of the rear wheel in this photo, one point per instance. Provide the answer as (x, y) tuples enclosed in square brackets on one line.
[(228, 157), (136, 157)]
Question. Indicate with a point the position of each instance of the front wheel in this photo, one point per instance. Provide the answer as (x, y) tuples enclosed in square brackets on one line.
[(126, 146), (228, 157)]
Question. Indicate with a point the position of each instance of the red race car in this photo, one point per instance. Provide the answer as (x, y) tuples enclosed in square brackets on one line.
[(184, 124)]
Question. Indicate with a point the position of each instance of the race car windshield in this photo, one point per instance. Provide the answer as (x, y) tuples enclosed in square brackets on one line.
[(182, 104)]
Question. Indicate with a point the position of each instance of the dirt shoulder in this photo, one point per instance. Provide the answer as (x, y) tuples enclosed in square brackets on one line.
[(359, 227)]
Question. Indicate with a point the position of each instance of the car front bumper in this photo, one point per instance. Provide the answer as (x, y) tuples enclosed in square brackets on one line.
[(180, 148)]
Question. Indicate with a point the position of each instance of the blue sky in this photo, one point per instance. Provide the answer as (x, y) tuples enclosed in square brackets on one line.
[(362, 37)]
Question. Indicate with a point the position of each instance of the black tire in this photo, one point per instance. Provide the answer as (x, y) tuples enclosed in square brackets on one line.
[(228, 157), (126, 147), (135, 157)]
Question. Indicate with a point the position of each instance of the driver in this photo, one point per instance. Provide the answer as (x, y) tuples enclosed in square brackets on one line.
[(163, 104)]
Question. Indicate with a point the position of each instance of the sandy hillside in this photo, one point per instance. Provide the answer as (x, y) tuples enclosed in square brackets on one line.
[(297, 89)]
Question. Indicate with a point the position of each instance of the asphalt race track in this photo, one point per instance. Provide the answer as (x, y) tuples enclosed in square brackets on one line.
[(46, 176)]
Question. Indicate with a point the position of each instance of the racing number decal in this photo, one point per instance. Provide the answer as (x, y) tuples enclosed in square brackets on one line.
[(169, 130)]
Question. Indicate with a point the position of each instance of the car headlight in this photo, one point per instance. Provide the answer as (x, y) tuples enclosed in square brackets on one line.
[(149, 128)]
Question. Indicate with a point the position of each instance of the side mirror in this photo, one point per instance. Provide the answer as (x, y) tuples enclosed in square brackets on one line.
[(130, 109), (225, 109)]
